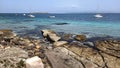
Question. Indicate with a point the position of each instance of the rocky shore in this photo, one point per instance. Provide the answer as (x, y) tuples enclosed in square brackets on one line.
[(56, 50)]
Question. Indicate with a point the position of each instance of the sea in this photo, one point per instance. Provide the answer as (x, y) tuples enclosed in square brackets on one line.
[(73, 23)]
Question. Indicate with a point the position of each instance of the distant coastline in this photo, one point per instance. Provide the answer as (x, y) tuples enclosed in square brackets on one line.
[(58, 13)]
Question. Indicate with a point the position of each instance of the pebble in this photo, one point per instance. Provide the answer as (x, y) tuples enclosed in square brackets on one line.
[(37, 46)]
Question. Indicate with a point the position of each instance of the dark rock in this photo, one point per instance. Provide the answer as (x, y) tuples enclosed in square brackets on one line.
[(61, 23), (20, 27), (76, 43), (67, 37), (89, 44), (30, 53), (42, 55), (80, 37), (7, 39)]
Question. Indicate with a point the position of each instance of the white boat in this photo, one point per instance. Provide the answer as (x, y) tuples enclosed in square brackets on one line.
[(51, 16), (98, 16), (24, 14), (31, 15)]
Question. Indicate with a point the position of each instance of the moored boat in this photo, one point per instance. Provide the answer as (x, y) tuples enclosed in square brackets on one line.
[(24, 14), (98, 16), (32, 16), (51, 16)]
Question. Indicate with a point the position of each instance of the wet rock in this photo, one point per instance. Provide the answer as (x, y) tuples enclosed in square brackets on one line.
[(67, 37), (80, 37), (76, 43), (34, 62), (5, 30), (7, 33), (90, 44), (59, 43), (60, 58)]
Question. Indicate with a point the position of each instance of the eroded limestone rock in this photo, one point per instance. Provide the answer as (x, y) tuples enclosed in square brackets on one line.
[(60, 58), (50, 35), (110, 47), (46, 32), (53, 37), (12, 57)]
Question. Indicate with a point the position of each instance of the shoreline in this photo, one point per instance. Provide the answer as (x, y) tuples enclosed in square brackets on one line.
[(36, 34), (56, 50)]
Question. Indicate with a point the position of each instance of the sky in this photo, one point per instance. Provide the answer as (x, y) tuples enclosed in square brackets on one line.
[(60, 6)]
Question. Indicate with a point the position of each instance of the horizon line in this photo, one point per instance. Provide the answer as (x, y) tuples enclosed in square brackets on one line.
[(59, 13)]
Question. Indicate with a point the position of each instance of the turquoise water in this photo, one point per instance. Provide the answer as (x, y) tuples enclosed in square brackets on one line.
[(86, 24)]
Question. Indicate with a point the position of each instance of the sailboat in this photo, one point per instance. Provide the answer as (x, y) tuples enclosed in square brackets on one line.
[(98, 16), (30, 15)]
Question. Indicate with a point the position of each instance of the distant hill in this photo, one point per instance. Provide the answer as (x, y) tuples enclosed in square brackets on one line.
[(40, 12)]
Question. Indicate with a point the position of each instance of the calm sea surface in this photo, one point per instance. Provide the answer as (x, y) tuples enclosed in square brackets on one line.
[(108, 25)]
